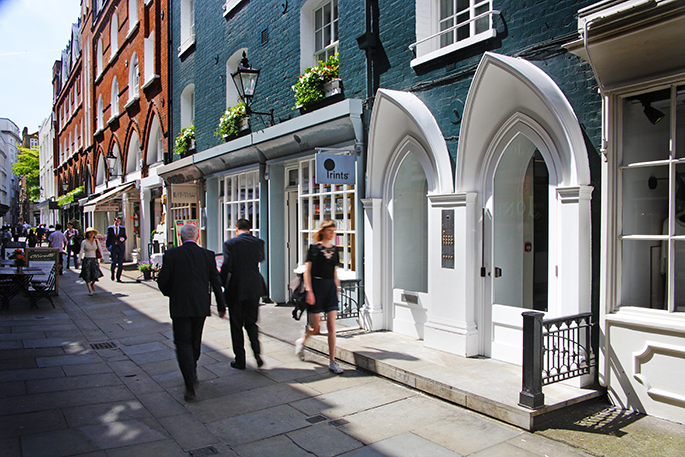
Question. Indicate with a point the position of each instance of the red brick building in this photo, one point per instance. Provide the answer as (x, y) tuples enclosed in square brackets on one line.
[(125, 83)]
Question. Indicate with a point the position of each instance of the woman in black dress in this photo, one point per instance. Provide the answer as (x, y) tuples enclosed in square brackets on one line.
[(322, 285)]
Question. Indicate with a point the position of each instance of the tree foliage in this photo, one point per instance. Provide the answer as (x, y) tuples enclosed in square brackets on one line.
[(28, 166)]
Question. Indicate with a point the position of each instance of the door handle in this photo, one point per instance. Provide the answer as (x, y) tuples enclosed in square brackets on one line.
[(498, 272)]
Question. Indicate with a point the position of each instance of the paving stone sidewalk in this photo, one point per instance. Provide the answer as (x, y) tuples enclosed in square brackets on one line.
[(97, 376)]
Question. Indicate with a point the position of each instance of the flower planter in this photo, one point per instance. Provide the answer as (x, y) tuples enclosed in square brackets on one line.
[(147, 275), (333, 87), (321, 103), (244, 130)]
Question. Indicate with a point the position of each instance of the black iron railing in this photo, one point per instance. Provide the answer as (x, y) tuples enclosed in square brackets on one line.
[(350, 300), (554, 350)]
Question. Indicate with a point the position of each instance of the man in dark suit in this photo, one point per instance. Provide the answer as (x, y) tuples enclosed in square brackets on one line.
[(186, 274), (244, 286), (116, 237)]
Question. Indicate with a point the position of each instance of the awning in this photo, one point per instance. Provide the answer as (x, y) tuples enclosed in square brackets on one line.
[(98, 203), (631, 42)]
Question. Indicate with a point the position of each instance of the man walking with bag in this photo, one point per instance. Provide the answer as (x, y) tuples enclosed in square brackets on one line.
[(244, 286), (186, 275)]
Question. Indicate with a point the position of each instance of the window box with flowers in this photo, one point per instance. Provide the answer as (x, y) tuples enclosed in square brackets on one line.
[(319, 86), (185, 141), (233, 123)]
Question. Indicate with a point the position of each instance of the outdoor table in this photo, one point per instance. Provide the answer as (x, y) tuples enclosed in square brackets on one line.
[(14, 280)]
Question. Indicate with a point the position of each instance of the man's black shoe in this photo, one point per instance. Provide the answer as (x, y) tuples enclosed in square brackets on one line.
[(119, 280), (237, 366), (189, 395), (259, 360)]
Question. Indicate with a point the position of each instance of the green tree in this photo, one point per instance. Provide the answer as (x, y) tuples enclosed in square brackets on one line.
[(28, 165)]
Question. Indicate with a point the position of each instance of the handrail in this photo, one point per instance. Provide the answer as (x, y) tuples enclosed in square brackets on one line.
[(454, 27)]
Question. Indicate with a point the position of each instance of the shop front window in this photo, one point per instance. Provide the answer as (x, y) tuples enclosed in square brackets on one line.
[(652, 191), (240, 200), (319, 202)]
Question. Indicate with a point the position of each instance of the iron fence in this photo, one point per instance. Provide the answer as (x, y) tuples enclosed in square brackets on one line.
[(554, 350), (350, 300)]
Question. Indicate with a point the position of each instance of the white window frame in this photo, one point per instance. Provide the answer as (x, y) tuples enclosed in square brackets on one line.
[(114, 103), (100, 115), (428, 47), (238, 192), (99, 60), (232, 96), (614, 185), (188, 106), (114, 37), (308, 223), (331, 48), (308, 52), (134, 78), (187, 26), (132, 15), (149, 57)]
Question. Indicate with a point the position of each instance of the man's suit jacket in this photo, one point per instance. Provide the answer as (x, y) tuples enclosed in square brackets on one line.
[(242, 256), (187, 273), (112, 241)]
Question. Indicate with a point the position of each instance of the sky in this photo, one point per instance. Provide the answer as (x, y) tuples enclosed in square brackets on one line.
[(33, 34)]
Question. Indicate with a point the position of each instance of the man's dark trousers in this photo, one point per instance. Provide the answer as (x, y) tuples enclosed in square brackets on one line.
[(244, 314), (188, 341), (117, 258)]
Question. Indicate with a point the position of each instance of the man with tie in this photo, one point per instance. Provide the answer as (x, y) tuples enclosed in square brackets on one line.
[(116, 237)]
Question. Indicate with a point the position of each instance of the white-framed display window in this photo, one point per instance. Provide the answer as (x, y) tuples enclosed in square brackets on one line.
[(318, 202), (239, 199), (651, 195)]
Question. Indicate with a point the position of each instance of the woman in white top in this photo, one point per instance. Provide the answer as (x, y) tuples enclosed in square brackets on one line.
[(90, 270)]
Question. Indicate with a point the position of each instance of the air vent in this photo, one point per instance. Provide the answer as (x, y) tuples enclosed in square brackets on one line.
[(209, 450), (107, 345), (339, 422), (316, 419), (265, 36)]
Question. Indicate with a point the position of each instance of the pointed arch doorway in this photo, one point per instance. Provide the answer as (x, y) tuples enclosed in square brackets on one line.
[(525, 157)]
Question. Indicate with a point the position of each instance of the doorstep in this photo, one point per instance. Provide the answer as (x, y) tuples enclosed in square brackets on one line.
[(488, 386)]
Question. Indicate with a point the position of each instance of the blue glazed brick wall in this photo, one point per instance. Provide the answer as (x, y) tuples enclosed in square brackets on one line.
[(218, 37)]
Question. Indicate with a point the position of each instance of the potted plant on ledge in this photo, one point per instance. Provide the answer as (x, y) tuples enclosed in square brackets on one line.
[(145, 268), (233, 123), (185, 141), (319, 86)]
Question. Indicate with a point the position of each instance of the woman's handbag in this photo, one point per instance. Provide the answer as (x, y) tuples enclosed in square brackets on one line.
[(98, 254), (298, 297)]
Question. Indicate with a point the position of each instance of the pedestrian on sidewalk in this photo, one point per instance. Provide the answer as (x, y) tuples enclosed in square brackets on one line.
[(186, 274), (31, 239), (40, 233), (244, 287), (56, 240), (116, 236), (73, 243), (90, 253), (322, 285)]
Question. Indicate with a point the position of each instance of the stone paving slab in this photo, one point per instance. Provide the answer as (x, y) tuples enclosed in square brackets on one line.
[(129, 400)]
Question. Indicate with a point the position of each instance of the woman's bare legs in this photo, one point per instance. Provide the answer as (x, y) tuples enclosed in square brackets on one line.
[(330, 327)]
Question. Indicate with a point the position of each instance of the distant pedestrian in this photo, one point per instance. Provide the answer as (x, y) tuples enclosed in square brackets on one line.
[(116, 236), (244, 288), (40, 234), (16, 231), (187, 273), (90, 253), (73, 243), (56, 240), (32, 239), (322, 285)]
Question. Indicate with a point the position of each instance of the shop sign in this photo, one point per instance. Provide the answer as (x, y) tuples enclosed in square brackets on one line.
[(335, 168), (110, 206), (184, 194)]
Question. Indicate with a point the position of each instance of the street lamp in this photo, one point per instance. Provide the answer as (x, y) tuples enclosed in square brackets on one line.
[(111, 164), (245, 80), (65, 187)]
